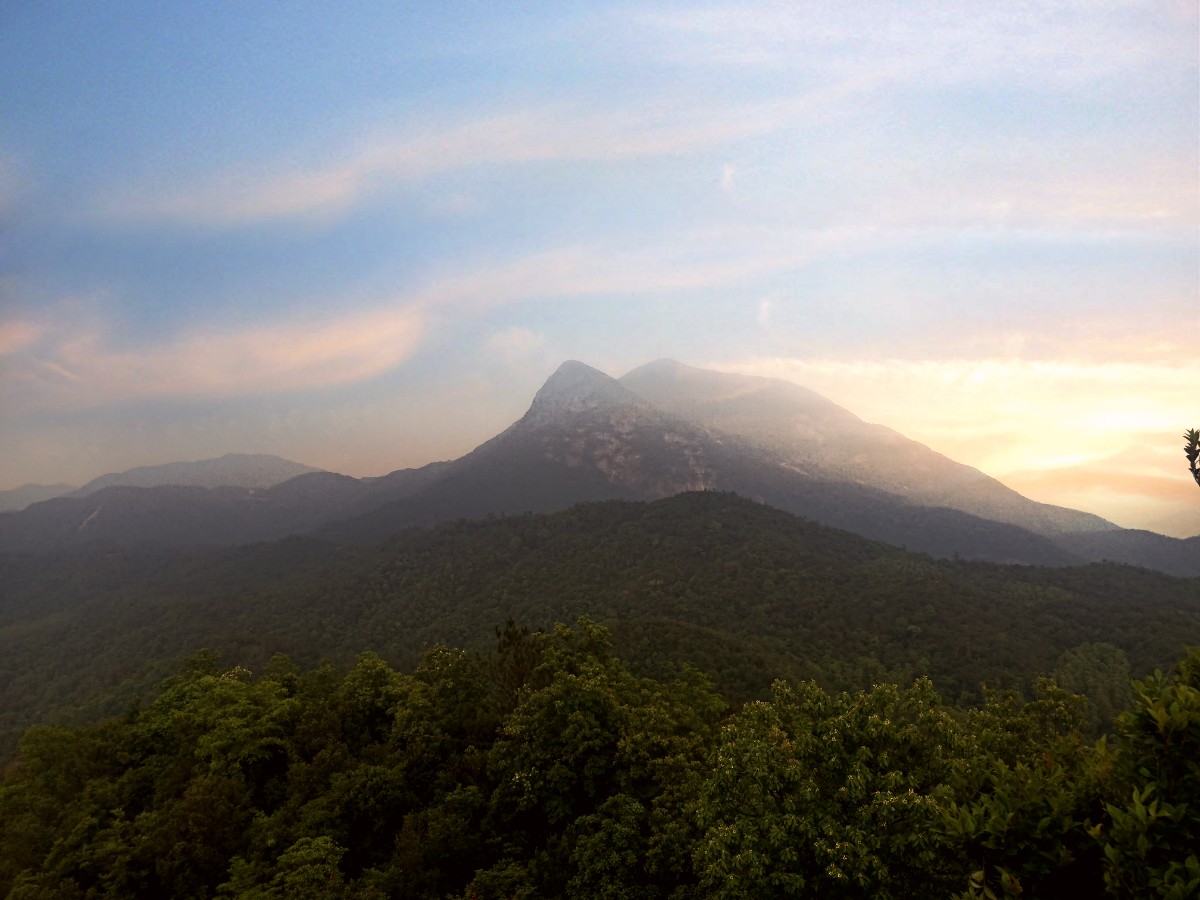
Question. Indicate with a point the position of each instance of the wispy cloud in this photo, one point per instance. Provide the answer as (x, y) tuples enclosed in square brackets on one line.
[(765, 307), (850, 63), (697, 260), (1039, 43), (67, 356), (16, 336), (66, 368), (547, 133)]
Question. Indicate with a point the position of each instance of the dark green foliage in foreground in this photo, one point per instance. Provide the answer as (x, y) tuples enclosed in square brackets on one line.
[(744, 592), (1192, 451), (547, 769)]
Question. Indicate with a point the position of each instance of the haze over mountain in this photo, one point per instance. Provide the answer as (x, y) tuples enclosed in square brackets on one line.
[(665, 428), (826, 441)]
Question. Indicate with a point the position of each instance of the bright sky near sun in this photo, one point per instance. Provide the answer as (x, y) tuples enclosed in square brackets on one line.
[(360, 235)]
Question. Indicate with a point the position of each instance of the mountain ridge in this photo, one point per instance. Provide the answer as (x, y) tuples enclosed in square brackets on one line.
[(248, 470), (17, 499)]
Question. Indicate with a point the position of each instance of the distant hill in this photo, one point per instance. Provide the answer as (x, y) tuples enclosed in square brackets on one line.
[(246, 470), (1179, 556), (28, 494)]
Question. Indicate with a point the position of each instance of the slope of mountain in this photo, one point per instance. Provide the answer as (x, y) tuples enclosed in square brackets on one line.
[(191, 516), (1134, 547), (246, 470), (829, 442), (167, 515), (28, 494)]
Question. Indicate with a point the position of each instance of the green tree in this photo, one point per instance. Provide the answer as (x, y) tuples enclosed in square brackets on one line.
[(1150, 845), (1101, 673), (1035, 786), (307, 870), (1192, 451), (818, 795)]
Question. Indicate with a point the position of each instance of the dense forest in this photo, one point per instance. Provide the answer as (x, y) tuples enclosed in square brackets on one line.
[(545, 768), (744, 592), (752, 705)]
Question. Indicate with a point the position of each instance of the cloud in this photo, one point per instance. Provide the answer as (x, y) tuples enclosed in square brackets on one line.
[(1030, 43), (764, 310), (696, 260), (515, 342), (62, 368), (16, 336), (338, 179), (728, 179), (857, 70), (69, 358)]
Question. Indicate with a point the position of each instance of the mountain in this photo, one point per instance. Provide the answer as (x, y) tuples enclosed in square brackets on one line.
[(246, 470), (235, 499), (586, 436), (28, 494), (1135, 547), (193, 516), (662, 430), (166, 515), (579, 441), (828, 442)]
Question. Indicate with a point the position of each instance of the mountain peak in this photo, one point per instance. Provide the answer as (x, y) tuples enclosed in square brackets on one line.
[(577, 387), (572, 374)]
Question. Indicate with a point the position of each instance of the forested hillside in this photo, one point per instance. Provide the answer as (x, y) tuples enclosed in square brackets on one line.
[(741, 591), (546, 768)]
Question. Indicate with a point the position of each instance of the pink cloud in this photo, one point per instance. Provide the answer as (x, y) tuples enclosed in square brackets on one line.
[(68, 370)]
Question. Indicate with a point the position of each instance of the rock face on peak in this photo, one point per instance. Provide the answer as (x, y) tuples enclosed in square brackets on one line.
[(577, 389), (583, 419)]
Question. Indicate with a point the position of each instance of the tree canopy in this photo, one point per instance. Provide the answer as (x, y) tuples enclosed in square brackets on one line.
[(546, 768)]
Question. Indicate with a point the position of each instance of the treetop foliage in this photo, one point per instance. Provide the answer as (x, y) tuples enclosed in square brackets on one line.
[(546, 768), (1191, 449)]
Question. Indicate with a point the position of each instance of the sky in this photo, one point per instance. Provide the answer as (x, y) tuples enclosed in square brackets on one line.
[(361, 235)]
